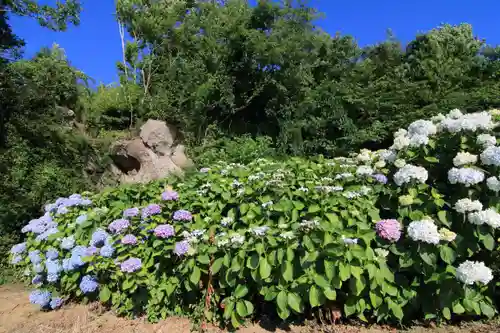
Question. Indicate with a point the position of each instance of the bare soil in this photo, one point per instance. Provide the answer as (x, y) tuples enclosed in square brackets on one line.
[(17, 315)]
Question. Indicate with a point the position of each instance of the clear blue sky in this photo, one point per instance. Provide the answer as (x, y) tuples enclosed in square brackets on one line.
[(94, 46)]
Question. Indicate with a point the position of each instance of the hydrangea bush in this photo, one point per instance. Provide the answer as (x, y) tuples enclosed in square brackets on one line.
[(392, 235)]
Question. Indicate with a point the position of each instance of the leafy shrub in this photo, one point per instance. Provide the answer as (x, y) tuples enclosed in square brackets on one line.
[(242, 149), (298, 235)]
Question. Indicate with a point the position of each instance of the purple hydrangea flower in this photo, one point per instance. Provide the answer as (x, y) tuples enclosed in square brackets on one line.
[(129, 239), (204, 170), (380, 178), (389, 230), (181, 248), (56, 303), (51, 254), (88, 284), (131, 212), (107, 251), (118, 226), (164, 231), (99, 238), (182, 215), (169, 195), (131, 265), (152, 209), (18, 248)]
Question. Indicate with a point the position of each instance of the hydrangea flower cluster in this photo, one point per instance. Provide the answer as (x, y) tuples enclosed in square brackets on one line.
[(488, 216), (118, 226), (486, 140), (150, 210), (389, 229), (464, 158), (164, 231), (182, 215), (409, 173), (131, 265), (491, 156), (424, 231), (456, 121), (88, 284), (131, 212), (470, 272), (169, 195), (467, 205), (493, 184), (181, 248), (129, 239), (465, 176)]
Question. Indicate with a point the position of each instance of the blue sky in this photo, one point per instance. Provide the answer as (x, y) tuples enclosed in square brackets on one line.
[(94, 47)]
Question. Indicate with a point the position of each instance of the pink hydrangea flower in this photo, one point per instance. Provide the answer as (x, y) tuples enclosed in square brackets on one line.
[(389, 229)]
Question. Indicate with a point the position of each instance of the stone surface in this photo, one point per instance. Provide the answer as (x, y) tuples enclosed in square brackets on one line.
[(153, 155)]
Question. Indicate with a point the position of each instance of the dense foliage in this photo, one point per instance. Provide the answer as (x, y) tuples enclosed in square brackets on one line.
[(392, 235)]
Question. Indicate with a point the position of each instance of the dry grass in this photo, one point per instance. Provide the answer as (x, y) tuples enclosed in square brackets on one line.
[(18, 316)]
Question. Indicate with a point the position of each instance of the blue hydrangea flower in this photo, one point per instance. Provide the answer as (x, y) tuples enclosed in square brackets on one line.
[(37, 279), (99, 238), (35, 257), (86, 202), (51, 254), (18, 248), (53, 266), (131, 212), (44, 235), (50, 207), (16, 259), (40, 297), (88, 284), (82, 218), (91, 250), (38, 268), (67, 243), (75, 196), (76, 262), (52, 277), (62, 210), (56, 303), (107, 251), (78, 251)]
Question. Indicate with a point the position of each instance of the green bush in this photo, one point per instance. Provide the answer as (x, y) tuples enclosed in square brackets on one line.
[(296, 235), (242, 149)]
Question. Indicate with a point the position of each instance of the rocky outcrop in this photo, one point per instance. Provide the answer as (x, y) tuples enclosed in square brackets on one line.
[(153, 155)]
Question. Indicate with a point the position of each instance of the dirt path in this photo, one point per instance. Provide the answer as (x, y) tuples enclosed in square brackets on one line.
[(18, 316)]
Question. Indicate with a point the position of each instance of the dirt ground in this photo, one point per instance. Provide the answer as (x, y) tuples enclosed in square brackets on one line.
[(17, 315)]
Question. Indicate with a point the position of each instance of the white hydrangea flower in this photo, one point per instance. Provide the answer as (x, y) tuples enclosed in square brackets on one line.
[(349, 241), (399, 163), (447, 235), (409, 173), (344, 175), (468, 122), (493, 184), (388, 155), (379, 164), (464, 158), (438, 118), (400, 142), (237, 239), (455, 114), (491, 156), (287, 235), (364, 170), (364, 155), (351, 195), (418, 140), (309, 224), (486, 140), (422, 127), (259, 231), (466, 176), (488, 216), (467, 205), (424, 231), (226, 221), (400, 132), (470, 272)]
